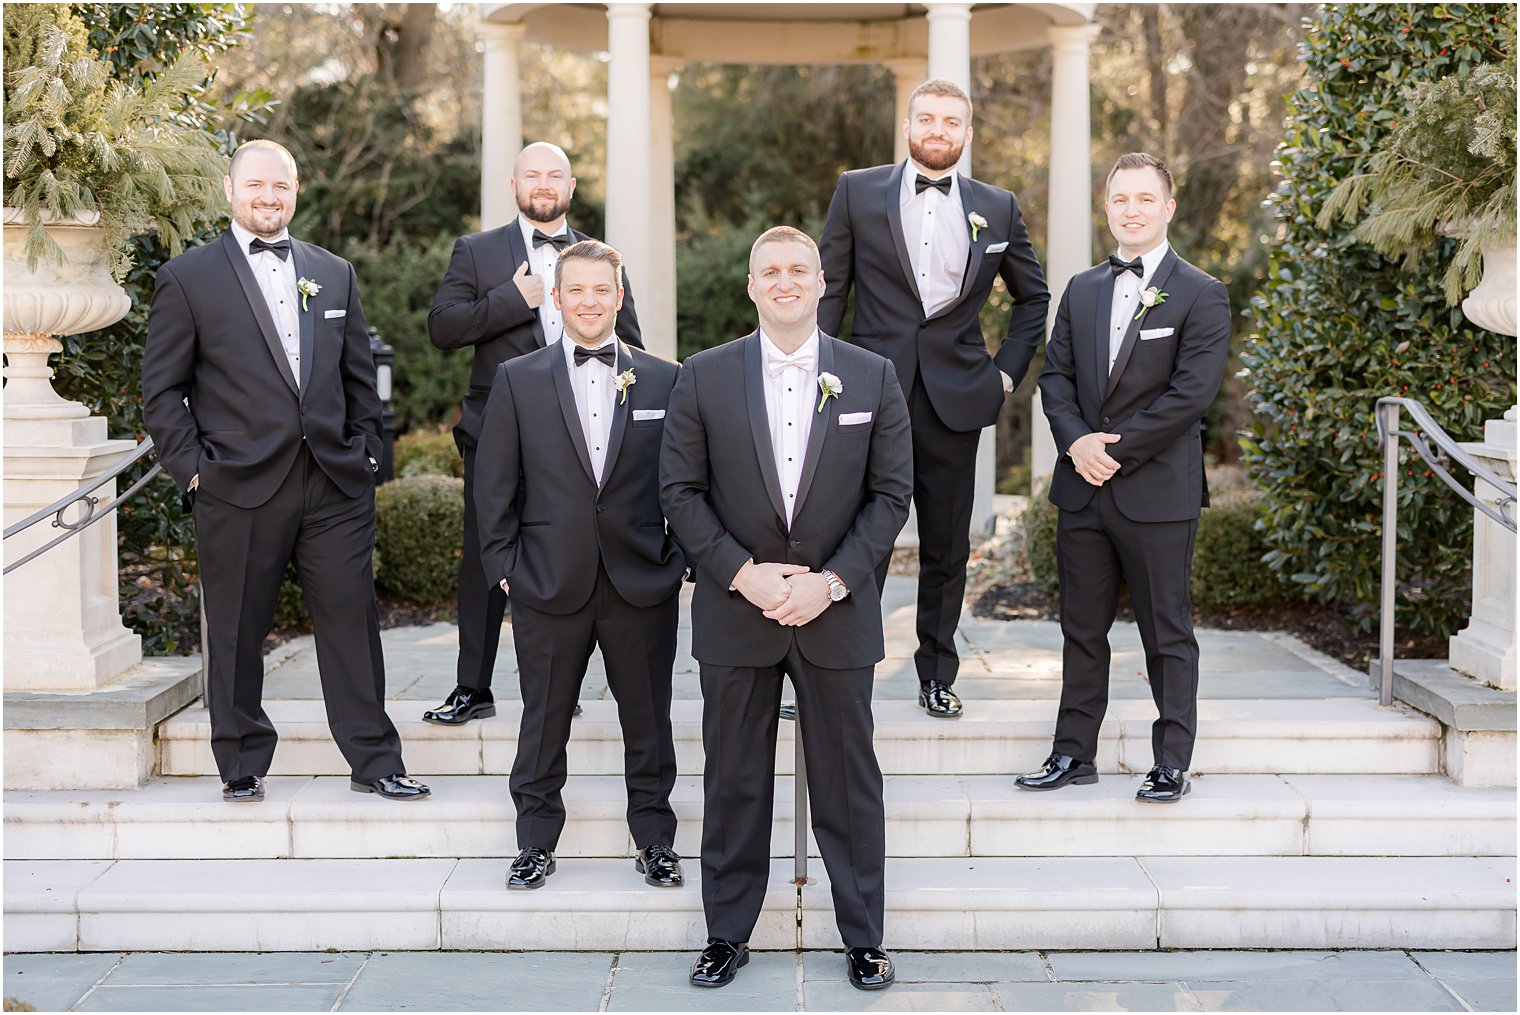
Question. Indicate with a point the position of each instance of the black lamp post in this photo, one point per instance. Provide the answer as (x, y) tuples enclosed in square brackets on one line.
[(385, 363)]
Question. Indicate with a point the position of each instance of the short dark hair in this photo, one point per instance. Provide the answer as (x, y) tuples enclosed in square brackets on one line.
[(1140, 160), (590, 250), (940, 86), (258, 144), (782, 234)]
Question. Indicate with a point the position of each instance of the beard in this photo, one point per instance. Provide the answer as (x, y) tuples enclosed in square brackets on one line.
[(934, 160), (542, 208)]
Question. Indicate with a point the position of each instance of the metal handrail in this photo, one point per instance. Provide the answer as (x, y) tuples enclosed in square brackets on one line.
[(83, 496), (1500, 509)]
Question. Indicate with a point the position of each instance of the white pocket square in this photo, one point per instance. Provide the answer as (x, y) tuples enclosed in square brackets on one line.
[(1146, 334), (998, 248), (648, 414), (854, 418), (330, 314)]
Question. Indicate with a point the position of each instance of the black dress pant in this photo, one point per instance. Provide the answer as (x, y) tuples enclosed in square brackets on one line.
[(639, 647), (482, 603), (944, 487), (1097, 547), (739, 718), (330, 537)]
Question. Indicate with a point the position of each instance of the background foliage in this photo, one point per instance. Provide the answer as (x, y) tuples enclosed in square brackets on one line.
[(1338, 326)]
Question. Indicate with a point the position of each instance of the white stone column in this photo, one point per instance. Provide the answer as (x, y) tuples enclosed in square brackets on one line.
[(907, 74), (656, 283), (950, 52), (500, 122), (629, 138), (1068, 228)]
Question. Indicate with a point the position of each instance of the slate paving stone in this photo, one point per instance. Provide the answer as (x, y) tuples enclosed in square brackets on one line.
[(1325, 995), (480, 981), (54, 982), (1093, 997), (937, 967), (829, 995), (1233, 965), (156, 968), (241, 997), (1485, 980), (660, 981)]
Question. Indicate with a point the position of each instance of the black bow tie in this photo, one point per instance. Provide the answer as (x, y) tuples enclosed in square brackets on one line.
[(923, 183), (1119, 266), (279, 248), (560, 242), (607, 354)]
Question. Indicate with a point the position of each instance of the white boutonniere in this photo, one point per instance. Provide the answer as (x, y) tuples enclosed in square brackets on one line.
[(1150, 298), (829, 387), (307, 288), (623, 382), (977, 224)]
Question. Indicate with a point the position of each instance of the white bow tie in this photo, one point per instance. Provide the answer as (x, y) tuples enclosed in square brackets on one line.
[(776, 364)]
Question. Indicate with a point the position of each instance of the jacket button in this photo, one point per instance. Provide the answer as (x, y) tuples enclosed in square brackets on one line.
[(600, 508), (796, 542), (1107, 420)]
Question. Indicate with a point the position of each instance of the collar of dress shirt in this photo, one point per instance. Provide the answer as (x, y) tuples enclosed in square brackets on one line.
[(244, 237), (906, 191), (570, 347), (1149, 262), (528, 227), (771, 352)]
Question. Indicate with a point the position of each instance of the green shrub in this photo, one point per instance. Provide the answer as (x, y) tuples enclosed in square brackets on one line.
[(428, 453), (1338, 326), (1039, 522), (1227, 557), (419, 537)]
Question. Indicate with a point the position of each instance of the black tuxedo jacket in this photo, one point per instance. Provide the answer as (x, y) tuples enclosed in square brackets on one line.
[(722, 495), (863, 246), (1166, 375), (212, 340), (544, 522), (478, 304)]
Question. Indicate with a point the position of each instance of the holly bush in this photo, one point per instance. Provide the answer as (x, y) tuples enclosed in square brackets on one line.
[(1338, 326)]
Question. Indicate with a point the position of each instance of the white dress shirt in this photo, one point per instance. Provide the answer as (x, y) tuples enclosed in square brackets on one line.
[(938, 238), (595, 401), (541, 261), (791, 396), (277, 281), (1127, 289)]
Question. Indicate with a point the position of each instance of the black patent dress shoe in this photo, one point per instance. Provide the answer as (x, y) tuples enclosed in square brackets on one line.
[(578, 710), (1058, 771), (718, 963), (462, 705), (393, 787), (938, 700), (531, 868), (870, 968), (660, 865), (1164, 786), (250, 788)]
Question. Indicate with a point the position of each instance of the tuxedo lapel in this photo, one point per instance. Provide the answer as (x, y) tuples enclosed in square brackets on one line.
[(621, 407), (978, 245), (519, 251), (566, 398), (260, 309), (759, 421), (823, 421), (1132, 332), (1095, 352), (894, 221), (306, 318)]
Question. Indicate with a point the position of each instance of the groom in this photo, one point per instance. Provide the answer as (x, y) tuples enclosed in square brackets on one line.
[(785, 474)]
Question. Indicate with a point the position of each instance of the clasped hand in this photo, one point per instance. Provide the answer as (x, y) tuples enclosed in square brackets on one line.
[(1089, 453), (789, 594)]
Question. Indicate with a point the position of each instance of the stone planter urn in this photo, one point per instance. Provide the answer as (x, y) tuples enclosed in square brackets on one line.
[(63, 628)]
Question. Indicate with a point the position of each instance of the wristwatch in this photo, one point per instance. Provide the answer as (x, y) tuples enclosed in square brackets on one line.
[(837, 589)]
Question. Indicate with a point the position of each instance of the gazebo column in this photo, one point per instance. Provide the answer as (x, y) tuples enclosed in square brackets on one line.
[(657, 281), (500, 122), (907, 73), (1068, 225), (629, 140)]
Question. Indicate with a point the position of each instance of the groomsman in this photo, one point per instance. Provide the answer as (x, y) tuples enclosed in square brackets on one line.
[(569, 508), (259, 393), (1134, 361), (785, 474), (922, 244), (495, 298)]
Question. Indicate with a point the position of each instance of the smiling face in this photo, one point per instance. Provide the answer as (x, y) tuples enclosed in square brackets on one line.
[(588, 297), (262, 191), (785, 281), (937, 129), (542, 184), (1139, 208)]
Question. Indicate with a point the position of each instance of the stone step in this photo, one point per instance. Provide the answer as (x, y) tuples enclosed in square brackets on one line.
[(1130, 903), (927, 816), (1235, 736)]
